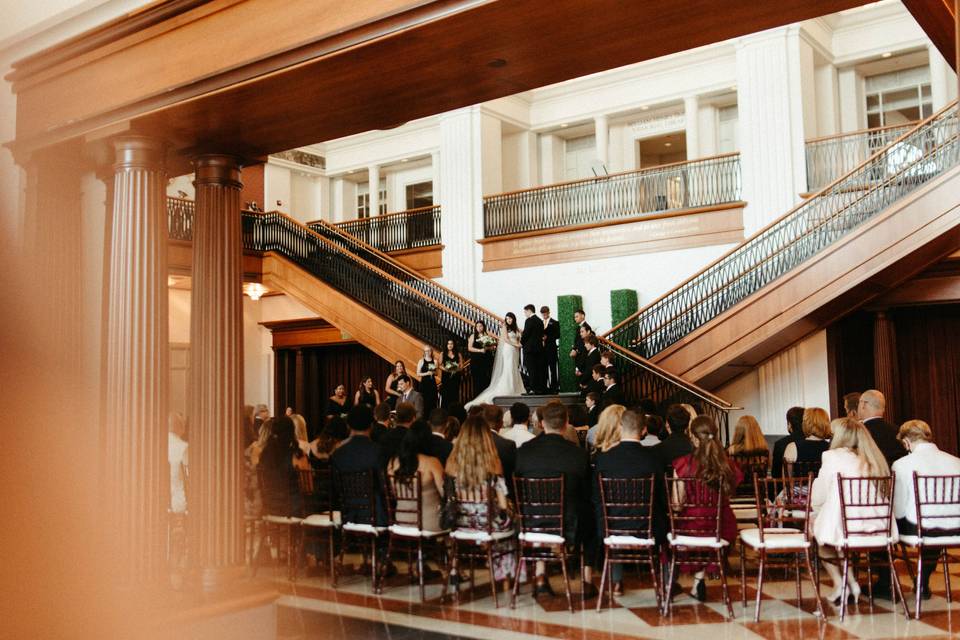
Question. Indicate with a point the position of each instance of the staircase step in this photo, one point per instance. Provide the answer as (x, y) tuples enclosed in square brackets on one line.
[(534, 401)]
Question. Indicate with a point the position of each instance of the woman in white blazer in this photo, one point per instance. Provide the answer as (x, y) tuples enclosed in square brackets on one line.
[(852, 453)]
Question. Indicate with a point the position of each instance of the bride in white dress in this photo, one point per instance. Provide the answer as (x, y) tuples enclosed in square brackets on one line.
[(505, 379)]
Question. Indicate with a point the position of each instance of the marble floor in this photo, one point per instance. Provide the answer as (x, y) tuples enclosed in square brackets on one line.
[(310, 608)]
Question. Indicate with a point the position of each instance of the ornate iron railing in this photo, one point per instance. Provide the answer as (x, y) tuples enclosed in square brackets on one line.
[(830, 157), (409, 229), (179, 219), (917, 157), (684, 185), (426, 286)]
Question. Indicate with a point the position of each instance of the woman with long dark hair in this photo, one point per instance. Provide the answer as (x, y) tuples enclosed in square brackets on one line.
[(390, 387), (279, 490), (410, 460), (366, 394), (480, 345), (505, 379), (451, 364)]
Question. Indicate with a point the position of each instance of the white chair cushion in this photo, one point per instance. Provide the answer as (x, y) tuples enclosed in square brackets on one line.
[(282, 519), (541, 538), (930, 541), (474, 535), (868, 541), (322, 520), (774, 539), (695, 541), (354, 527), (627, 541), (412, 532)]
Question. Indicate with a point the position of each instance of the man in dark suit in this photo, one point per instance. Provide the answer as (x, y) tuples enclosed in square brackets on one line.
[(381, 421), (580, 350), (548, 456), (409, 394), (506, 448), (531, 344), (870, 411), (630, 459), (579, 324), (551, 335), (359, 453), (677, 444), (438, 446), (389, 442), (590, 359), (613, 392), (795, 431)]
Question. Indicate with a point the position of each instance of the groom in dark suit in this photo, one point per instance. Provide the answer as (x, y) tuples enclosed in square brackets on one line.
[(551, 334), (531, 344)]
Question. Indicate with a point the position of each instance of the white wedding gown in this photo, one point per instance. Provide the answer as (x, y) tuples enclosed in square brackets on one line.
[(505, 379)]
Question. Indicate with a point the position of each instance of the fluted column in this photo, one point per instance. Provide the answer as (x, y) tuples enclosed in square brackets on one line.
[(135, 412), (216, 370), (885, 372)]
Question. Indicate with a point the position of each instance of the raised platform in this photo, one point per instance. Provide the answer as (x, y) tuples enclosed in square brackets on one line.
[(538, 400)]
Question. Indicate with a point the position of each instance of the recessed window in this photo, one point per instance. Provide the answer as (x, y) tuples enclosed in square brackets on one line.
[(363, 199), (420, 195), (898, 97)]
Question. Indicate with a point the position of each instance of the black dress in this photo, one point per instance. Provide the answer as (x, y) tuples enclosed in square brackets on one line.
[(367, 398), (428, 387), (449, 382), (482, 366), (392, 399), (334, 408)]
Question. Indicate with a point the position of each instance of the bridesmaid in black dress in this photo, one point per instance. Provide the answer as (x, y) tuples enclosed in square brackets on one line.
[(427, 375), (481, 357), (450, 366), (338, 404), (366, 394), (390, 387)]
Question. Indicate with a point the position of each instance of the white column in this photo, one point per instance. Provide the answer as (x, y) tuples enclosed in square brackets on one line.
[(709, 119), (601, 130), (528, 161), (551, 159), (853, 109), (828, 99), (491, 154), (770, 103), (943, 80), (461, 183), (373, 179), (691, 113), (435, 166)]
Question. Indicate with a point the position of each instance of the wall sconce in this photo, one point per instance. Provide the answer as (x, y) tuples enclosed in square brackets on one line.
[(254, 290)]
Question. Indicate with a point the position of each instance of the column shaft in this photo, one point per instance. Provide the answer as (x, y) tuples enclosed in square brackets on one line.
[(601, 130), (373, 179), (216, 370), (886, 375)]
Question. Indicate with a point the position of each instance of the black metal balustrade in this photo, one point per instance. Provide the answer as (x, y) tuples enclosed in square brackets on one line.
[(180, 219), (410, 229), (831, 157), (684, 185), (893, 172)]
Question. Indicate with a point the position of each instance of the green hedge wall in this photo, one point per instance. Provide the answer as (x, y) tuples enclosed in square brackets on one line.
[(566, 305), (623, 304)]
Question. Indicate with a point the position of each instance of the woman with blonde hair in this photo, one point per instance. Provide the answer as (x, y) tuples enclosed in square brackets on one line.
[(474, 465), (748, 439), (606, 433), (852, 453)]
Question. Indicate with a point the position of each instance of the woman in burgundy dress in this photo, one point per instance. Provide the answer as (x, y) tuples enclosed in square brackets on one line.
[(708, 463)]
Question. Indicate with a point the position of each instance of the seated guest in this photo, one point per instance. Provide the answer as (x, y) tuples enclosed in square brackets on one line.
[(630, 459), (652, 428), (382, 423), (410, 460), (870, 412), (607, 432), (577, 416), (366, 394), (279, 491), (794, 434), (592, 402), (437, 445), (474, 464), (924, 458), (390, 441), (708, 462), (546, 457), (252, 497), (334, 432), (300, 432), (852, 453), (676, 444), (748, 439), (816, 431), (338, 404), (520, 431), (851, 402), (506, 449), (451, 429), (612, 392), (359, 453)]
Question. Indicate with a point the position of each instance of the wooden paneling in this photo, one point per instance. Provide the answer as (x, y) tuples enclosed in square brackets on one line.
[(427, 261), (937, 18), (262, 76), (694, 228), (180, 260), (919, 230), (306, 332)]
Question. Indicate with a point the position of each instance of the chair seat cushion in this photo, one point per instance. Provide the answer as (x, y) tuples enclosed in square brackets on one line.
[(282, 519), (322, 520), (412, 532), (774, 539), (868, 541), (354, 527), (930, 541), (696, 541), (745, 513), (474, 535), (628, 541), (541, 538)]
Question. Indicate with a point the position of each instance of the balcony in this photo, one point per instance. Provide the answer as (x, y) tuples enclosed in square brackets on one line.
[(831, 157)]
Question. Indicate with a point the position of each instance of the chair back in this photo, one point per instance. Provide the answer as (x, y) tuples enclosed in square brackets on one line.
[(405, 500), (539, 504), (937, 502), (695, 508), (866, 505), (358, 496), (582, 436), (316, 490), (788, 509), (627, 505), (752, 466), (474, 505), (803, 468)]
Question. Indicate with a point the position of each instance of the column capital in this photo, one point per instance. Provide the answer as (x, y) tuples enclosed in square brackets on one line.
[(217, 168), (138, 151)]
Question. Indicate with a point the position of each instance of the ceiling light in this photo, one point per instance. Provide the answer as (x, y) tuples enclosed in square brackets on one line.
[(254, 290), (564, 125), (644, 107), (667, 144), (885, 54)]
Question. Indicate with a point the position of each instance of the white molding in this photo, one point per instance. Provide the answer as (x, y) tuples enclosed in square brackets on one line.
[(294, 166)]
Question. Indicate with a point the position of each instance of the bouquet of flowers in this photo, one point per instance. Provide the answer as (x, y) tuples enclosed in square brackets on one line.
[(431, 367), (451, 366), (487, 342)]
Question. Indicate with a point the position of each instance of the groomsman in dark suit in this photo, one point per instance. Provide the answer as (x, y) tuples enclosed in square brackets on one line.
[(613, 394), (531, 346), (579, 322), (551, 335), (590, 358)]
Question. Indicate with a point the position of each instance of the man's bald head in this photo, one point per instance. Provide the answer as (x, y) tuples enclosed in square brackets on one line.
[(872, 405)]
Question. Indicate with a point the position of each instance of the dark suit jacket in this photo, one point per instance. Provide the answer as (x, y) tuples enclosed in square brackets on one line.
[(586, 364), (552, 332), (675, 446), (360, 453), (550, 455), (507, 452), (532, 339), (414, 398), (378, 430), (633, 460), (439, 448), (390, 444), (614, 395), (593, 414), (577, 340), (885, 435)]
